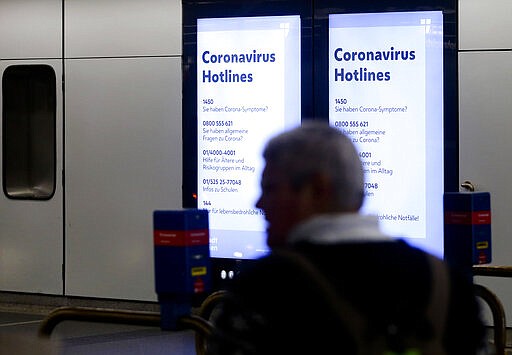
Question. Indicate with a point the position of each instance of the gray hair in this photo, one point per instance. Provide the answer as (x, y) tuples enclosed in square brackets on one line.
[(314, 148)]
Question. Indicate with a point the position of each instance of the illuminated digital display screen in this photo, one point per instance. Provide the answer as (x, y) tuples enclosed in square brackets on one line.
[(386, 94), (383, 73), (248, 89)]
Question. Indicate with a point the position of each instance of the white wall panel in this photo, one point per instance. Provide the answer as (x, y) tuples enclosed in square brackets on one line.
[(111, 28), (31, 240), (485, 24), (485, 148), (123, 160), (30, 29)]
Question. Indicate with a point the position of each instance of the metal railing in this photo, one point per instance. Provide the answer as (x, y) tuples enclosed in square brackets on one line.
[(202, 327), (494, 303), (198, 323)]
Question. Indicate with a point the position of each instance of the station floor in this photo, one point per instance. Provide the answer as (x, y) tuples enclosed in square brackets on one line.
[(21, 317), (19, 327)]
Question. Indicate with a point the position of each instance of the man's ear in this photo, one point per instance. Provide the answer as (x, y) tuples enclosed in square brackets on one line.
[(321, 189)]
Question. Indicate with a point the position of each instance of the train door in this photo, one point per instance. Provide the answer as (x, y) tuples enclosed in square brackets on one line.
[(122, 139), (31, 210), (485, 82)]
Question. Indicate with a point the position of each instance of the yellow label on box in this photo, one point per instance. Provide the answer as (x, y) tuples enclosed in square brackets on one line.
[(482, 245), (198, 271)]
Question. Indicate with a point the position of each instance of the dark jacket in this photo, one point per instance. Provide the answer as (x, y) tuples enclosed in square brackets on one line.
[(277, 309)]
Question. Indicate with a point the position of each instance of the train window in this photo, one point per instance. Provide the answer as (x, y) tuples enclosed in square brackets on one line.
[(28, 131)]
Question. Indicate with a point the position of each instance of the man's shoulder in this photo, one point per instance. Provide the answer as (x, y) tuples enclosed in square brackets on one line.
[(355, 265), (381, 254), (342, 258)]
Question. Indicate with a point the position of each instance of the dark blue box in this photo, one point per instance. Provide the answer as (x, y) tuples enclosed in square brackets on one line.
[(182, 261), (467, 228)]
